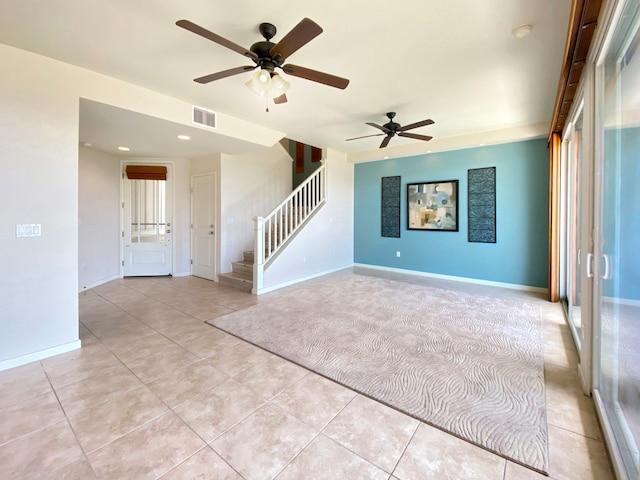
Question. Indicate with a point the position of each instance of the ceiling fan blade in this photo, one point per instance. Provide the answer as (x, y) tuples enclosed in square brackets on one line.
[(224, 74), (379, 127), (316, 76), (300, 35), (365, 136), (203, 32), (416, 125), (426, 138), (385, 142), (281, 99)]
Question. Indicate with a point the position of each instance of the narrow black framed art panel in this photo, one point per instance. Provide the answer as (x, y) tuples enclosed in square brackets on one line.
[(433, 206), (482, 205), (390, 214)]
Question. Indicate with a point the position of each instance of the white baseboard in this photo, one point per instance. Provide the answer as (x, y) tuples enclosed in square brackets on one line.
[(181, 274), (297, 280), (100, 282), (32, 357), (512, 286)]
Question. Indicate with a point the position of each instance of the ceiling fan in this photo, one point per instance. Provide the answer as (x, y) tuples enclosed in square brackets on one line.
[(392, 128), (269, 56)]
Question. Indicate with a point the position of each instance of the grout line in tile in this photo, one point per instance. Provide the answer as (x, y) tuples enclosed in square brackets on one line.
[(404, 450)]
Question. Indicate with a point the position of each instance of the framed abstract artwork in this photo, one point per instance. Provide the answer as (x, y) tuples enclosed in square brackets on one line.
[(433, 206)]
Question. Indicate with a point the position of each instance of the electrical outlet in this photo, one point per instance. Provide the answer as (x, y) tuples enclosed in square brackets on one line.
[(398, 253)]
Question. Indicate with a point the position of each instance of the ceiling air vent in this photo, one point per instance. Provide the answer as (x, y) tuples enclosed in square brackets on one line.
[(203, 117)]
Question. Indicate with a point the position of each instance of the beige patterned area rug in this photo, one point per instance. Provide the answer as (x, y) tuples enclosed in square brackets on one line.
[(470, 365)]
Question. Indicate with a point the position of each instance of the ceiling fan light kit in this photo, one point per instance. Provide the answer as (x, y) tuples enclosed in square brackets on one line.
[(268, 85), (268, 56)]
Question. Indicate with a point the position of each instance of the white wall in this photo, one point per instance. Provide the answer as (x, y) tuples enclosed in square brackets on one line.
[(98, 217), (250, 185), (208, 164), (326, 243), (39, 184)]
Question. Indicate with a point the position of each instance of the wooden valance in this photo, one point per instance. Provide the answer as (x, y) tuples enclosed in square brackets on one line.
[(146, 172)]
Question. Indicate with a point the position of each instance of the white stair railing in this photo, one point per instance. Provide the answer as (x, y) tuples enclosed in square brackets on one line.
[(271, 233)]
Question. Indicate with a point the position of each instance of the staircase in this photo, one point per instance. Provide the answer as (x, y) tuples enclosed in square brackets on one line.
[(241, 275), (275, 231)]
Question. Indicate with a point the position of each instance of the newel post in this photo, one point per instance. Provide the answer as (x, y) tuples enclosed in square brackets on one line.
[(258, 254)]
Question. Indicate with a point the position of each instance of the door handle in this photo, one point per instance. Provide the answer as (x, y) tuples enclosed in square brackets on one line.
[(210, 233), (168, 231), (589, 265), (606, 275)]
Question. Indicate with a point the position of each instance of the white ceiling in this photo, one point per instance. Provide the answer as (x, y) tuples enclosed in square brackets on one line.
[(454, 61)]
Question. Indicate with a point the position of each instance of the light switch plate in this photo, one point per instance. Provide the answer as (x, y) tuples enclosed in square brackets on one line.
[(28, 230)]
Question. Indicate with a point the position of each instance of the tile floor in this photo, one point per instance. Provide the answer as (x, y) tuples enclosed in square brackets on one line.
[(156, 393)]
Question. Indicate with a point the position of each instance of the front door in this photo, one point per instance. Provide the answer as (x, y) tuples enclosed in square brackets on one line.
[(147, 249), (203, 231)]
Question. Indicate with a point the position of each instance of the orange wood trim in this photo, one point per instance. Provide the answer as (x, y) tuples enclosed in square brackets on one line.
[(299, 157), (582, 27), (316, 154), (555, 149)]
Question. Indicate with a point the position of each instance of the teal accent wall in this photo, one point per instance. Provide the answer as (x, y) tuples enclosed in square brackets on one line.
[(520, 255)]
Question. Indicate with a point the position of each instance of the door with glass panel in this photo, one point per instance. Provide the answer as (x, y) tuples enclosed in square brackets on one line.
[(147, 228), (617, 268)]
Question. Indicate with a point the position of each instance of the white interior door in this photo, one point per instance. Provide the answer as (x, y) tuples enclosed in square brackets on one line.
[(147, 249), (203, 227)]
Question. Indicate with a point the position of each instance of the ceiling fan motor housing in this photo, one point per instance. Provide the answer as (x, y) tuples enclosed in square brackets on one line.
[(392, 127), (264, 60)]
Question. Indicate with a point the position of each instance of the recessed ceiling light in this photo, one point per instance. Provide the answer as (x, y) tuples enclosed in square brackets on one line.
[(184, 137), (385, 158), (124, 149), (522, 30)]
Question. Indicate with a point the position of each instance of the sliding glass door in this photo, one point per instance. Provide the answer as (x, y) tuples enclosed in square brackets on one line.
[(617, 268)]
